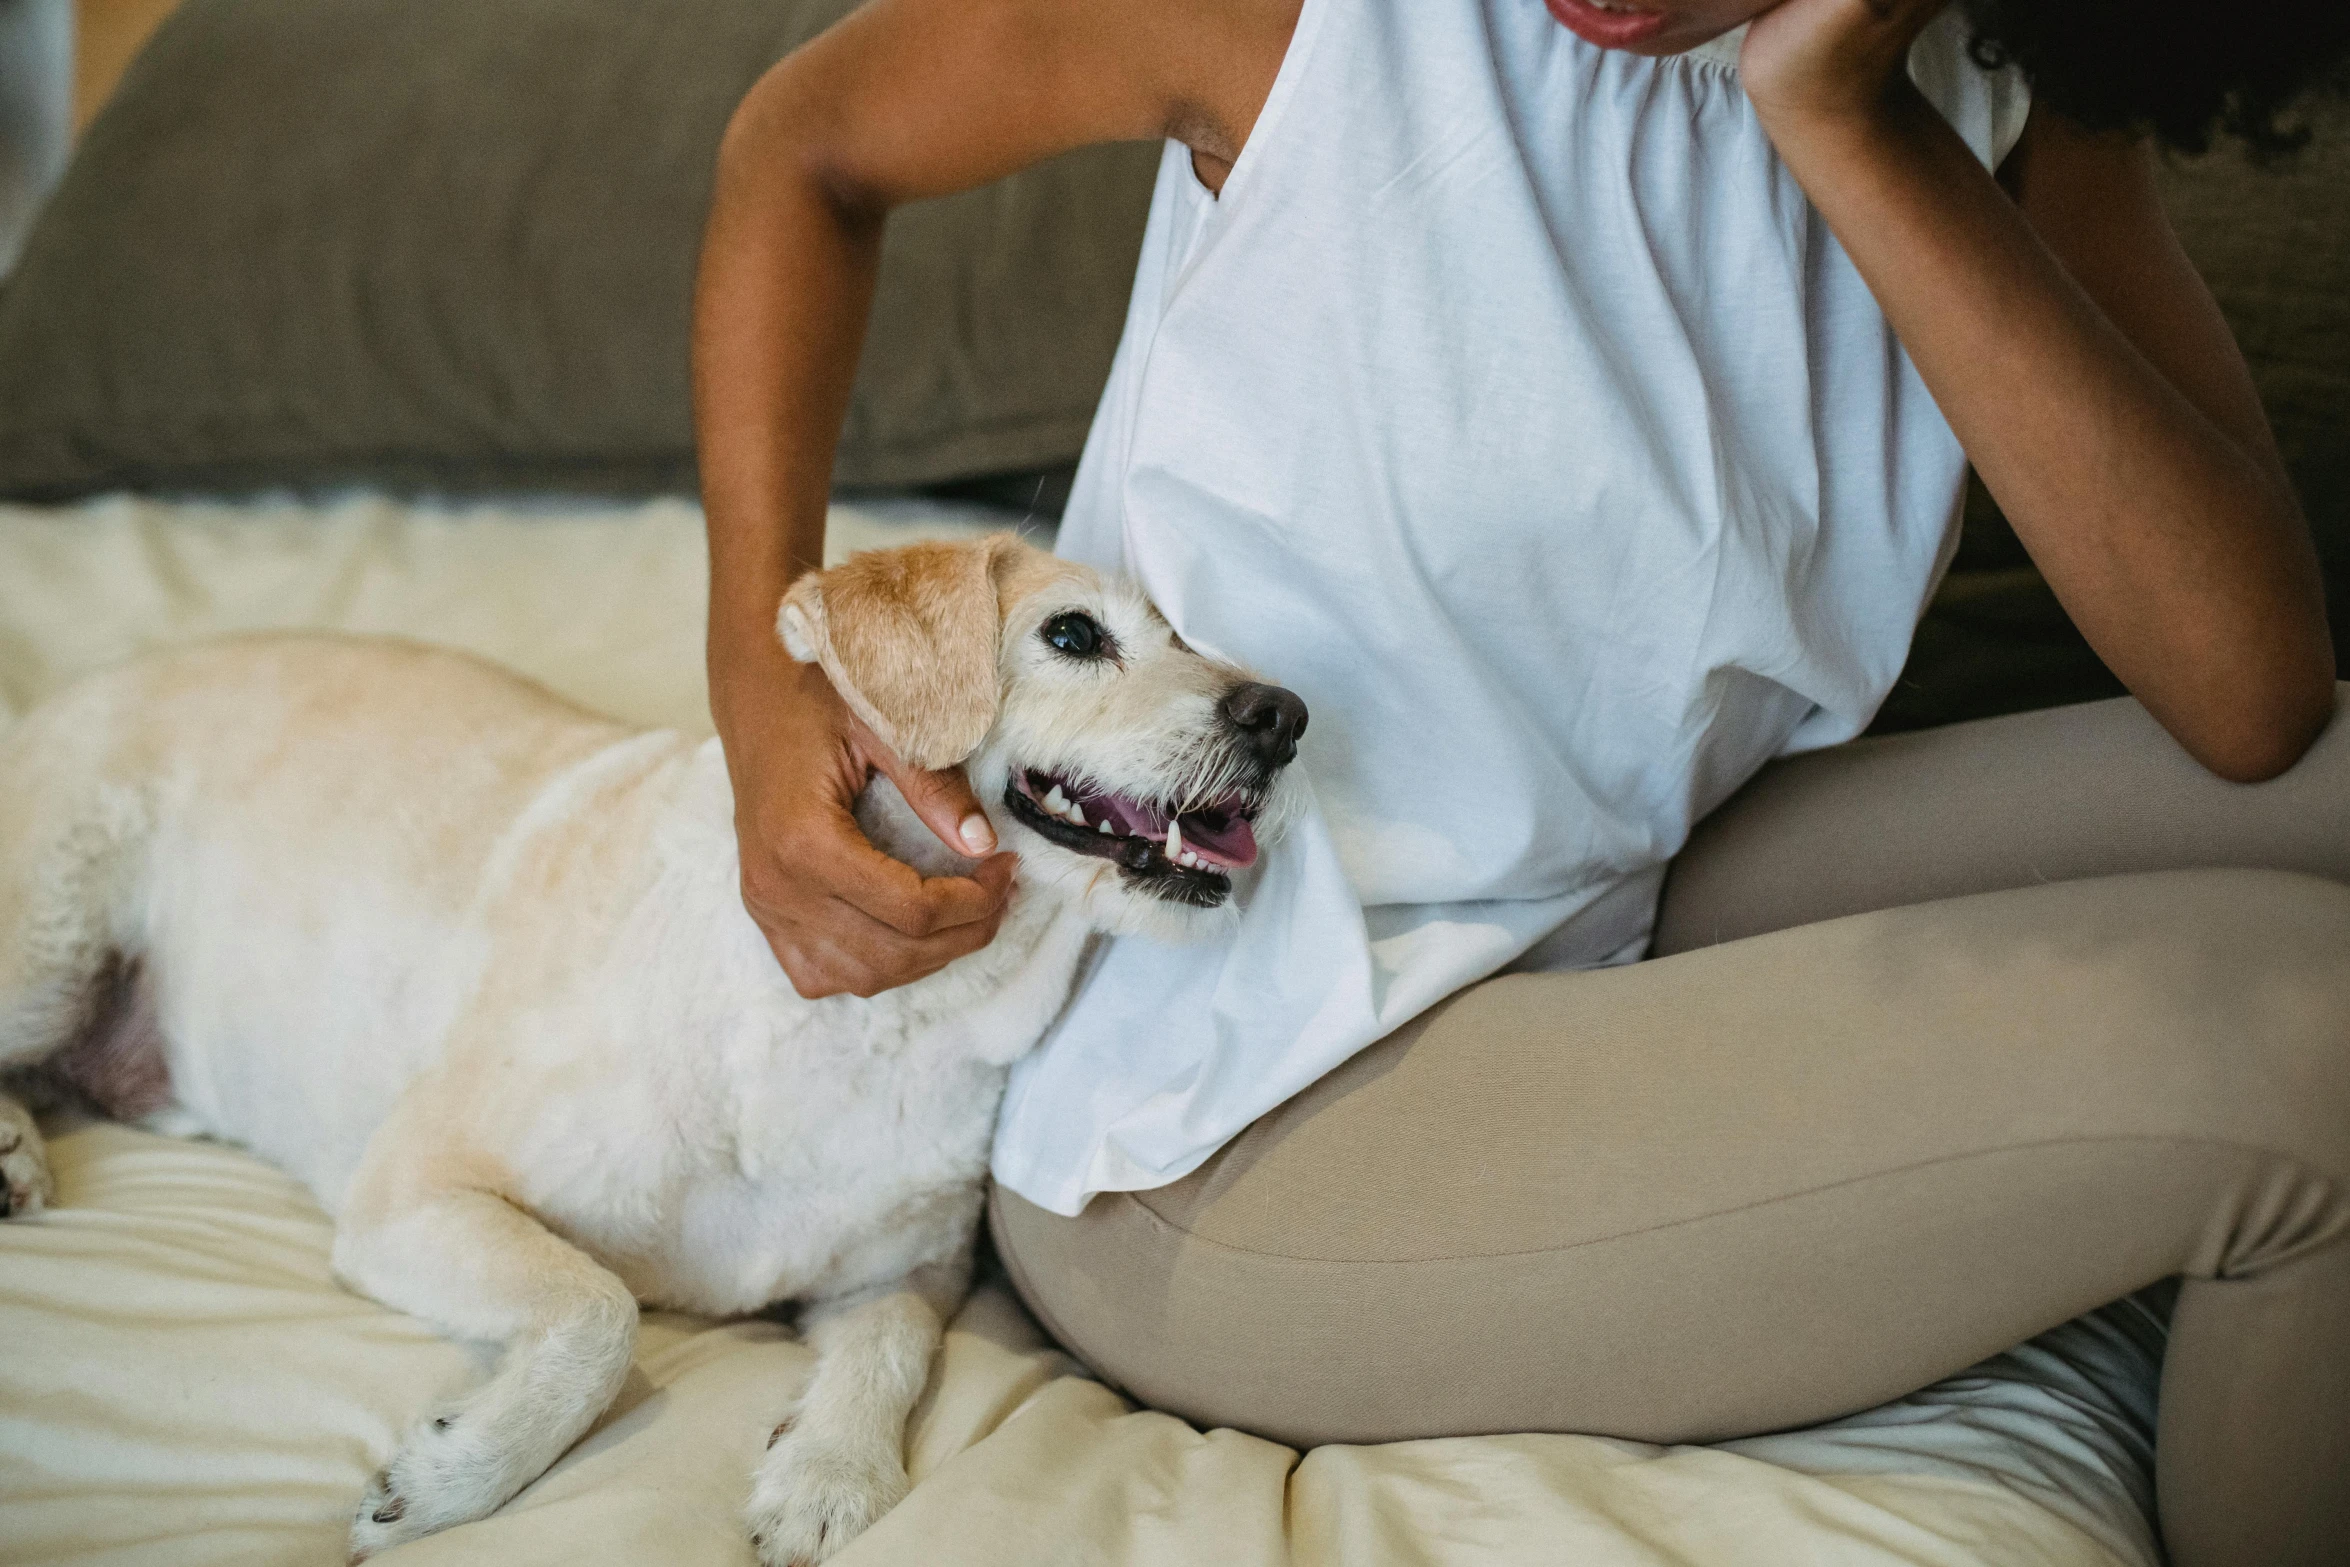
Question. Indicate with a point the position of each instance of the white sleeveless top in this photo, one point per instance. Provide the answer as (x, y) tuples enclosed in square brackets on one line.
[(1514, 408)]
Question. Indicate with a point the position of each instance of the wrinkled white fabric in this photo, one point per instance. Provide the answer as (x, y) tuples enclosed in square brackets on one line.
[(1514, 407)]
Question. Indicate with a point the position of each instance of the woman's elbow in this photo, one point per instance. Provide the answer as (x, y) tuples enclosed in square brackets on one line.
[(788, 130), (2263, 738)]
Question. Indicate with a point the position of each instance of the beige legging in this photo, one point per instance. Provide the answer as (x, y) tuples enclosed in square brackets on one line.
[(1951, 1037)]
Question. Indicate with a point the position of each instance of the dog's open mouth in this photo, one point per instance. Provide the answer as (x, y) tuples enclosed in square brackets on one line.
[(1203, 842)]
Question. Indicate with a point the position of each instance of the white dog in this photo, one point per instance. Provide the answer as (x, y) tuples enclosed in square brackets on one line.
[(474, 964)]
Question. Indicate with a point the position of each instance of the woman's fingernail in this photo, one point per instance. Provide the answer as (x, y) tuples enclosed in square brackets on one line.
[(978, 836)]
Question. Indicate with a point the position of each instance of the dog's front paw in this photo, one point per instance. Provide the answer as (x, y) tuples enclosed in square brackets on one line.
[(811, 1498), (435, 1479), (26, 1186)]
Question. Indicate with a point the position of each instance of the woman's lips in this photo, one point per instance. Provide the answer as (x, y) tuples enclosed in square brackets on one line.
[(1608, 29)]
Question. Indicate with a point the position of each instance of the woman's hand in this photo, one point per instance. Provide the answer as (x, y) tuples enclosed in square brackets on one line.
[(2084, 368), (841, 916), (1830, 60)]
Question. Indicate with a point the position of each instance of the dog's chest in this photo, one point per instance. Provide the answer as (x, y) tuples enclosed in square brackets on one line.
[(871, 1179), (826, 1145)]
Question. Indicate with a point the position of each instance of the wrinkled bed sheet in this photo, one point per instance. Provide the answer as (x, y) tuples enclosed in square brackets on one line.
[(182, 1383)]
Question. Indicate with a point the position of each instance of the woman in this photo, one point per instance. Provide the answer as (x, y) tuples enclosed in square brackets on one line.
[(1571, 401)]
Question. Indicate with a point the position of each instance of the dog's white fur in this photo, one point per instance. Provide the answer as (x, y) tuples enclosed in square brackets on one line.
[(474, 965)]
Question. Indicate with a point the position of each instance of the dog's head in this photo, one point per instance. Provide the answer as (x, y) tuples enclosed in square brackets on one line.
[(1131, 773)]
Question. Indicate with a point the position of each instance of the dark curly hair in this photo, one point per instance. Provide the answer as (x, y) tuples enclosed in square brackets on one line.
[(2162, 67)]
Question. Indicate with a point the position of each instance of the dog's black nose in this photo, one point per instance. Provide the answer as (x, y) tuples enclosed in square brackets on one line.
[(1268, 718)]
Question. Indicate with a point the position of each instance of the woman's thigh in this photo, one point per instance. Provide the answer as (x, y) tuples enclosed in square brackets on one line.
[(1753, 1185), (2092, 790)]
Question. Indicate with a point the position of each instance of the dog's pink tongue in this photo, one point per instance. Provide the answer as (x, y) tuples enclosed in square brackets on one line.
[(1219, 837), (1233, 844)]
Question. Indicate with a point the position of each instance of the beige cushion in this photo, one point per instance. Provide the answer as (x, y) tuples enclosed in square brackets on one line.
[(185, 1386)]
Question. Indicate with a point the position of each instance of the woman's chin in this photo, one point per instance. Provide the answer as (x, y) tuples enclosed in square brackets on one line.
[(1645, 30)]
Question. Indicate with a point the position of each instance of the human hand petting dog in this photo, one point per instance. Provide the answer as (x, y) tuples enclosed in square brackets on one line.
[(842, 917)]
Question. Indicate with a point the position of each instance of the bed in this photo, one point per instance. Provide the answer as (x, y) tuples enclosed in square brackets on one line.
[(182, 1382)]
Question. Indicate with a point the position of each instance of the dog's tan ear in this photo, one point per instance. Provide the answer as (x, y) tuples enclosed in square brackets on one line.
[(909, 638)]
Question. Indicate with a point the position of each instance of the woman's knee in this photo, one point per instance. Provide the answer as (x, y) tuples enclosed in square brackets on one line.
[(2060, 794), (2245, 987)]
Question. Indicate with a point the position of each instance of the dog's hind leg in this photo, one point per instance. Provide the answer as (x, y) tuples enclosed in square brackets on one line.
[(477, 1267), (25, 1183), (839, 1462), (69, 848)]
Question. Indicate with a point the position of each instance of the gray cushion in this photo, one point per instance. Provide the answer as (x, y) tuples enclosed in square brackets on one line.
[(450, 244)]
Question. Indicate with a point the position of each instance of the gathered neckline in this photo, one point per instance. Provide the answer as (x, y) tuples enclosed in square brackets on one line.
[(1721, 52)]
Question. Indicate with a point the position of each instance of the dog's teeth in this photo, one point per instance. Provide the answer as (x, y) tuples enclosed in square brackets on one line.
[(1106, 827), (1056, 802), (1077, 814), (1174, 849)]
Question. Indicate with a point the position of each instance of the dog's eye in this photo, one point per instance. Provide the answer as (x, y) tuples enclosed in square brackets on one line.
[(1079, 636)]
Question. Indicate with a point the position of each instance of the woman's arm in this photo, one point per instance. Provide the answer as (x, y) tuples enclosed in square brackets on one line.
[(2084, 368), (903, 99)]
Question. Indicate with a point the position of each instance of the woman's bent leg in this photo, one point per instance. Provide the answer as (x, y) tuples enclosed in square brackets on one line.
[(1773, 1181), (2058, 795)]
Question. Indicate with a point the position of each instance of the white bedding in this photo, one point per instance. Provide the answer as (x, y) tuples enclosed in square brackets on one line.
[(182, 1383)]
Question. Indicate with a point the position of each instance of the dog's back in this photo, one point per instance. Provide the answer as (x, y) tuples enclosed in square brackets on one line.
[(311, 893), (247, 879)]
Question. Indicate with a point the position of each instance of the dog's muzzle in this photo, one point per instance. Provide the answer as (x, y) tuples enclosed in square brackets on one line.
[(1184, 851)]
